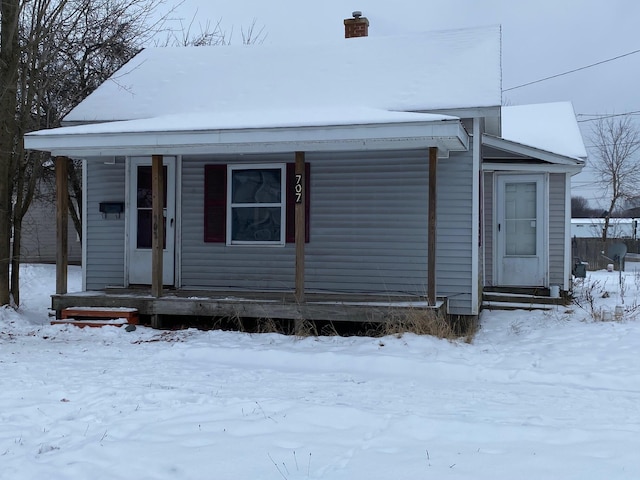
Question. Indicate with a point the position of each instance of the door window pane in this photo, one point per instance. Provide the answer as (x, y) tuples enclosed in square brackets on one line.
[(144, 207), (521, 218)]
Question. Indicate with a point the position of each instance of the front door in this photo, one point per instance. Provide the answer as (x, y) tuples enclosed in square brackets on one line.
[(520, 231), (140, 233)]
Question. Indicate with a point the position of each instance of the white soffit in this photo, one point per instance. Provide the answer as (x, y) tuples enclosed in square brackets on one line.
[(529, 151)]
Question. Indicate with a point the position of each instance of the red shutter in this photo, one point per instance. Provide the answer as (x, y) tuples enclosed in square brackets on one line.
[(215, 203), (291, 202)]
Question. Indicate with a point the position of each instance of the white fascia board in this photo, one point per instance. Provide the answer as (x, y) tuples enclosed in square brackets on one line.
[(447, 135), (529, 151)]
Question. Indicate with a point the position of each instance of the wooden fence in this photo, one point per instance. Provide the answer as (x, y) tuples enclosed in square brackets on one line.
[(592, 250)]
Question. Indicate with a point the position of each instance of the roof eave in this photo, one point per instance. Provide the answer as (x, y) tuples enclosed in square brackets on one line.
[(446, 135)]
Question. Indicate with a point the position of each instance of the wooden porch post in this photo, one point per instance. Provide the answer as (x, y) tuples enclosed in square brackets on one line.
[(62, 224), (300, 221), (432, 227), (157, 225)]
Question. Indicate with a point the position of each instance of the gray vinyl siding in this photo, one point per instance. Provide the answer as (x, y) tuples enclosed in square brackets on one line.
[(216, 265), (557, 209), (455, 241), (369, 222), (105, 238), (488, 227), (368, 217)]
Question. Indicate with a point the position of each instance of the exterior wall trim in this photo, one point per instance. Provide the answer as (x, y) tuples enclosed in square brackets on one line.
[(85, 202), (177, 275), (567, 235), (475, 218), (127, 219)]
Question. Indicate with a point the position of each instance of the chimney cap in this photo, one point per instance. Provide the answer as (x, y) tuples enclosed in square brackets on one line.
[(357, 14)]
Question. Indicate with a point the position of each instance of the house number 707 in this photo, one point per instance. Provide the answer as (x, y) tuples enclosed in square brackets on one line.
[(298, 188)]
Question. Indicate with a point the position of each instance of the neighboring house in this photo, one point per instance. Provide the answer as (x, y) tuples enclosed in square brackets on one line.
[(38, 242), (592, 228), (359, 170)]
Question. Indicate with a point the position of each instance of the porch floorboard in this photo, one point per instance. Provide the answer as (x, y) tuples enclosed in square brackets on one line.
[(344, 307)]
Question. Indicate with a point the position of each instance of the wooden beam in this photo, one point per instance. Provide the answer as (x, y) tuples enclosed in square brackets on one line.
[(432, 227), (300, 222), (157, 224), (62, 224)]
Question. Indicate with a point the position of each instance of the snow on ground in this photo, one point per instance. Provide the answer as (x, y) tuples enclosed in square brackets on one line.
[(538, 395)]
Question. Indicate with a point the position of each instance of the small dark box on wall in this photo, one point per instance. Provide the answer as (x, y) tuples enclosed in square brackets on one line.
[(111, 208)]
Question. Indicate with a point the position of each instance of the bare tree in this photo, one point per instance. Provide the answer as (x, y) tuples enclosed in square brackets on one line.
[(53, 53), (616, 141), (9, 61), (209, 34), (579, 207)]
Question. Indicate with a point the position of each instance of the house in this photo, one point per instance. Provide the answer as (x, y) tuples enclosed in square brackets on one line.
[(317, 181)]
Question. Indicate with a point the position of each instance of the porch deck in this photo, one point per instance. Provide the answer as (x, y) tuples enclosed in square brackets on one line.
[(338, 307)]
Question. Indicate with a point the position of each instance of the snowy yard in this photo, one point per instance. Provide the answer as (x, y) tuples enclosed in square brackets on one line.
[(540, 395)]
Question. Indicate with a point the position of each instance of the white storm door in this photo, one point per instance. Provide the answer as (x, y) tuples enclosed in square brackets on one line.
[(140, 233), (520, 231)]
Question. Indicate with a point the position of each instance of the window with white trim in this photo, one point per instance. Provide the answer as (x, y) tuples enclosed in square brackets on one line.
[(256, 204)]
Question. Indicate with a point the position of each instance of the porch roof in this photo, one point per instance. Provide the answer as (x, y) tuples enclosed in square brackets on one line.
[(547, 132), (270, 131), (529, 151)]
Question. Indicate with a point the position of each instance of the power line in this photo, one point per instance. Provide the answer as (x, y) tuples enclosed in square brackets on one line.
[(600, 117), (573, 71), (620, 144)]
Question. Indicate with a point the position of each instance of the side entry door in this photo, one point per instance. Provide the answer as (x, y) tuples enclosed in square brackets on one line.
[(520, 231)]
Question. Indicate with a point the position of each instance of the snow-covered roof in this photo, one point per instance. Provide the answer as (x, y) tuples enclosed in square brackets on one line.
[(238, 120), (546, 126), (419, 72)]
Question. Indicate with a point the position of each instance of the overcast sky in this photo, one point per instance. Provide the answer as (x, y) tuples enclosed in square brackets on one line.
[(540, 38)]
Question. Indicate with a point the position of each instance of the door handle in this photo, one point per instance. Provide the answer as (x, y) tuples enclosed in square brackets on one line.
[(498, 227), (171, 223)]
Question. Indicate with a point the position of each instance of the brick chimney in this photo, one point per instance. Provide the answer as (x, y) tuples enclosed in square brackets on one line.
[(358, 26)]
